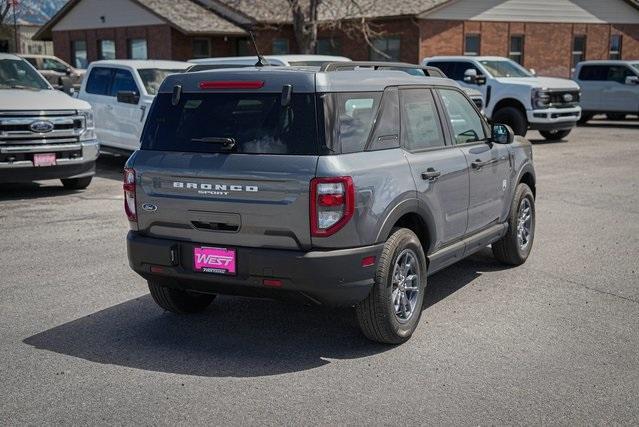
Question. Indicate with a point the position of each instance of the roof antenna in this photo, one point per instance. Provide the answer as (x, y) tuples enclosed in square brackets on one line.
[(261, 61)]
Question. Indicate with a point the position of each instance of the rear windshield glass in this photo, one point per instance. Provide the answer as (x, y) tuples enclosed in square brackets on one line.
[(256, 123)]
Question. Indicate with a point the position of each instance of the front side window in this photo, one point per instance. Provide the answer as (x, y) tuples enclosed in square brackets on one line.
[(53, 65), (280, 47), (466, 123), (594, 72), (505, 68), (385, 49), (471, 44), (615, 46), (618, 73), (421, 127), (578, 50), (18, 74), (137, 49), (516, 53), (106, 49), (256, 123), (79, 56), (201, 48), (99, 82), (123, 82)]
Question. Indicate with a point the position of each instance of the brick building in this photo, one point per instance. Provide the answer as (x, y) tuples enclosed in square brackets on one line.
[(547, 35)]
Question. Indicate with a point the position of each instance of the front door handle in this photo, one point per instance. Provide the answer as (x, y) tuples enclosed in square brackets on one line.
[(431, 175), (478, 164)]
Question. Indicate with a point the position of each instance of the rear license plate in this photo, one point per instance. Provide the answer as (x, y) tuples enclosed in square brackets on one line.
[(44, 159), (214, 260)]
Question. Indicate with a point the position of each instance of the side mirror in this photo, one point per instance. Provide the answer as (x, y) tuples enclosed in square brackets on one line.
[(502, 134), (533, 72), (128, 97), (471, 76), (68, 71), (632, 80)]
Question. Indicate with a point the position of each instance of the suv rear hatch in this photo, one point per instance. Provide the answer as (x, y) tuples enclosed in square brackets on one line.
[(228, 167)]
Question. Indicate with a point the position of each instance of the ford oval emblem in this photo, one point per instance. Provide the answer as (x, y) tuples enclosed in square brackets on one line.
[(41, 126), (149, 207), (567, 97)]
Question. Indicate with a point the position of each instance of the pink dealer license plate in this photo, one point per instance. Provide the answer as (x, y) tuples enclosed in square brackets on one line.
[(214, 260), (44, 159)]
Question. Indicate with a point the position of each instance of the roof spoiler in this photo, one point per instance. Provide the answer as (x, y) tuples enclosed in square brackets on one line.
[(353, 65)]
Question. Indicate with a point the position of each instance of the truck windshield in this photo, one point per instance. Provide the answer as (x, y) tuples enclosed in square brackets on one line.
[(152, 78), (505, 69), (18, 74), (250, 123)]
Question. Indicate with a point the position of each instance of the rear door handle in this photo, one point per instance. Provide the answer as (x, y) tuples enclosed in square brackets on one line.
[(431, 174)]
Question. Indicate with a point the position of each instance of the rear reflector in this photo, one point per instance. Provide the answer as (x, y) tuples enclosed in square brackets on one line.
[(232, 85), (368, 261), (274, 283), (157, 269)]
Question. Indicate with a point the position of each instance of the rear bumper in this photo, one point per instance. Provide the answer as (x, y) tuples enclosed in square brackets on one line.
[(24, 170), (331, 278)]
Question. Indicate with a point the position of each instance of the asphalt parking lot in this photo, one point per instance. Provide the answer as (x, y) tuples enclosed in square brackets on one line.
[(554, 341)]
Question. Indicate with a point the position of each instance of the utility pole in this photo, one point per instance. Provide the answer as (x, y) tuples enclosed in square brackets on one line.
[(14, 4)]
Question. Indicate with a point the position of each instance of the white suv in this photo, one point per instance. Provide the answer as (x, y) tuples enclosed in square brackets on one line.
[(121, 93), (610, 87), (514, 96)]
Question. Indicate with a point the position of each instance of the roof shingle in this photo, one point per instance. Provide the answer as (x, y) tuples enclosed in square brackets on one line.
[(190, 17)]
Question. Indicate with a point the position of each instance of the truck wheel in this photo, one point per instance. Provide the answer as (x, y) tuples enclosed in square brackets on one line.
[(554, 135), (512, 117), (616, 116), (392, 309), (515, 246), (178, 301), (76, 183)]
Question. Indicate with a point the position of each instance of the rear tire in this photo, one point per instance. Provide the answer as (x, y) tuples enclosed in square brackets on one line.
[(179, 301), (554, 135), (76, 183), (391, 312), (510, 249), (512, 117)]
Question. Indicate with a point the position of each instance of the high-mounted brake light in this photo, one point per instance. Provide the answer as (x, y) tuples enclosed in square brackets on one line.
[(257, 84), (129, 194), (332, 204)]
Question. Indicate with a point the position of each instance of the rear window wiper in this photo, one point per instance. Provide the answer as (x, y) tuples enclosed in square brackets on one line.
[(227, 143)]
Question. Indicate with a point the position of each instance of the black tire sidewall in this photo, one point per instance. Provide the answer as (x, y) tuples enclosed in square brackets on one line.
[(512, 117), (523, 191)]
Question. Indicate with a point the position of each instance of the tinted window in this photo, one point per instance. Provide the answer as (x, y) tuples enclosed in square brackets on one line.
[(31, 61), (594, 72), (123, 81), (99, 81), (355, 114), (447, 68), (386, 133), (455, 70), (257, 122), (466, 123), (421, 127)]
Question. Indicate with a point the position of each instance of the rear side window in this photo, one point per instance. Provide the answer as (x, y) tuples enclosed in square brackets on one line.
[(594, 72), (421, 127), (257, 123), (386, 133), (99, 81), (355, 115)]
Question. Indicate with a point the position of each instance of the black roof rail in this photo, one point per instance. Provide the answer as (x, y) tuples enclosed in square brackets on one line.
[(352, 65)]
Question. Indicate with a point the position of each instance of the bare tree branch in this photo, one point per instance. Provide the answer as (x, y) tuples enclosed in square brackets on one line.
[(4, 10)]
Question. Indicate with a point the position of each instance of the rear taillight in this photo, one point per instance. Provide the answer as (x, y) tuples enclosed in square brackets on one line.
[(332, 204), (129, 194)]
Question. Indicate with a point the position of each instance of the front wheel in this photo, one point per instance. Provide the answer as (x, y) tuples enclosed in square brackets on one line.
[(179, 301), (391, 311), (76, 183), (554, 135), (512, 117), (515, 246)]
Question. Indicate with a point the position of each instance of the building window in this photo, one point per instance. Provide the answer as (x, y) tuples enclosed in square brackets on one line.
[(245, 47), (280, 47), (471, 44), (578, 49), (328, 46), (79, 54), (385, 49), (137, 49), (106, 49), (516, 52), (615, 46), (4, 45), (201, 48)]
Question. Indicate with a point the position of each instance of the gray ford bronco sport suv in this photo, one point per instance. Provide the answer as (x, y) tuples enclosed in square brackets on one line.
[(331, 186)]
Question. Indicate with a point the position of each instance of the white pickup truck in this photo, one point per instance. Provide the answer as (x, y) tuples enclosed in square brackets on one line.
[(121, 93), (44, 133), (514, 96)]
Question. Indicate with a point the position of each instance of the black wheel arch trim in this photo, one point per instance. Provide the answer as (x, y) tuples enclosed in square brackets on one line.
[(408, 206)]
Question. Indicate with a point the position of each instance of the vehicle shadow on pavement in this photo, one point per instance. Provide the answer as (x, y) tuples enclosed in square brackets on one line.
[(32, 190), (110, 166), (236, 337)]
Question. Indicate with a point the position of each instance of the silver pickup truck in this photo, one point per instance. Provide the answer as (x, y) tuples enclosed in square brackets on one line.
[(44, 133)]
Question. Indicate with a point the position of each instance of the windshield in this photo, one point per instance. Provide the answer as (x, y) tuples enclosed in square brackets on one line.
[(18, 74), (505, 69), (254, 123), (152, 78)]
